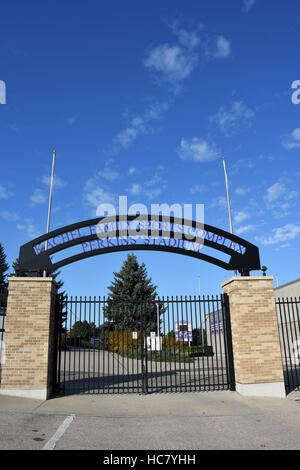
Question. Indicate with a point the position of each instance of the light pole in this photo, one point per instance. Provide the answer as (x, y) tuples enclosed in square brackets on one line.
[(50, 201), (228, 202)]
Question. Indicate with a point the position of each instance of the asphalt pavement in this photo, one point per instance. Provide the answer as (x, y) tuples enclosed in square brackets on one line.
[(181, 421)]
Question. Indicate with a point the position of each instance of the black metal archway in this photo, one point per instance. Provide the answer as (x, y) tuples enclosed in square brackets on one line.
[(137, 232)]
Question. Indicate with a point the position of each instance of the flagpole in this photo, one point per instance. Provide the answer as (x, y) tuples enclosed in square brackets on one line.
[(50, 201), (228, 201)]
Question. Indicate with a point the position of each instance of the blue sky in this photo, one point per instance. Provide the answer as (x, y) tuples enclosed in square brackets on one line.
[(143, 99)]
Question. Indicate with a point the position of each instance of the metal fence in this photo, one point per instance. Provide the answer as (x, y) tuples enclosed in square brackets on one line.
[(288, 312), (3, 303), (167, 345)]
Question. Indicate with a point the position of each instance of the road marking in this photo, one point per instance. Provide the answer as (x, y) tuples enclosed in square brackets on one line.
[(59, 433)]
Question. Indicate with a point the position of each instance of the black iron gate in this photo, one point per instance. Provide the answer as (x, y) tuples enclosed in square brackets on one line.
[(166, 345), (3, 304), (288, 312)]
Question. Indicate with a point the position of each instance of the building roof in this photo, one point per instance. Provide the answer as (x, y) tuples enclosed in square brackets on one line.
[(288, 284)]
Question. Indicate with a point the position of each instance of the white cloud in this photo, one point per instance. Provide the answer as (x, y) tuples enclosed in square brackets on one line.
[(71, 120), (281, 235), (131, 170), (219, 202), (197, 150), (173, 64), (248, 4), (58, 182), (9, 216), (139, 125), (98, 195), (231, 118), (38, 197), (41, 195), (292, 141), (152, 187), (240, 217), (242, 164), (222, 48), (5, 193), (197, 188), (245, 229), (135, 189), (279, 196), (242, 191), (188, 39), (29, 228), (274, 192)]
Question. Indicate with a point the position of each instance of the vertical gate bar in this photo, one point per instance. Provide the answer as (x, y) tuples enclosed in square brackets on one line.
[(216, 355), (76, 380), (225, 339), (89, 344), (113, 352), (118, 348), (58, 380), (203, 342), (155, 358), (184, 355), (71, 379), (192, 343), (163, 364), (188, 343), (211, 364), (174, 342), (82, 349), (55, 342), (165, 344), (106, 352), (134, 352), (179, 359), (99, 344), (105, 343), (94, 345), (218, 347), (122, 357), (158, 354), (146, 349), (298, 337), (205, 362), (151, 362), (228, 341), (221, 336), (65, 352), (127, 345), (198, 347), (292, 341), (142, 349), (295, 345), (79, 349)]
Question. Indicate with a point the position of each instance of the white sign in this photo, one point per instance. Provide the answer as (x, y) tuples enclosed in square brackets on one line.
[(2, 92), (154, 343), (152, 335), (134, 335)]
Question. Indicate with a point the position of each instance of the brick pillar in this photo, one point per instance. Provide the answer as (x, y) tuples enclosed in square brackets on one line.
[(255, 337), (29, 338)]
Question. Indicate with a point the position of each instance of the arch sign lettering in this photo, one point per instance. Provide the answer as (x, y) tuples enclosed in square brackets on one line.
[(138, 232)]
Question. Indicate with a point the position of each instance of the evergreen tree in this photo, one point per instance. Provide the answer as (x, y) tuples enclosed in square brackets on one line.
[(3, 268), (131, 302)]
